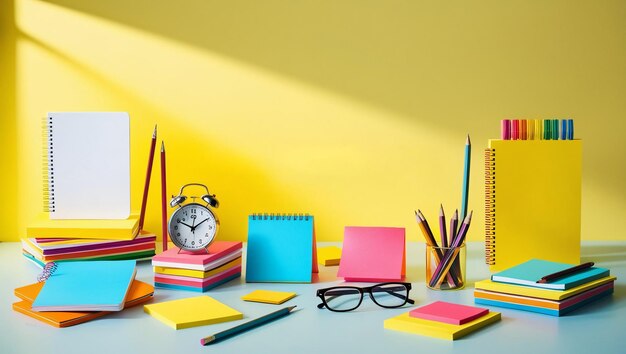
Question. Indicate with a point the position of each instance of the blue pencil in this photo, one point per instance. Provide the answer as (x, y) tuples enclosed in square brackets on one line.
[(563, 129), (247, 326), (466, 177), (570, 129)]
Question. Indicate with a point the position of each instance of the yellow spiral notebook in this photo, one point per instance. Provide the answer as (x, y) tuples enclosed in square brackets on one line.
[(532, 201)]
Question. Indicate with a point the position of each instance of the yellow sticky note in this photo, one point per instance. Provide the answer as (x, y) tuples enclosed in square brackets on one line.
[(268, 296), (192, 312), (329, 256)]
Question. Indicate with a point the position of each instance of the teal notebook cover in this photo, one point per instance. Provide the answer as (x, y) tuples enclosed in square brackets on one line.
[(280, 248), (529, 272), (86, 286)]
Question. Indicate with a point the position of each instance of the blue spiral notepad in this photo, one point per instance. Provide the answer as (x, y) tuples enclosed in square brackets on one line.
[(281, 248), (86, 286)]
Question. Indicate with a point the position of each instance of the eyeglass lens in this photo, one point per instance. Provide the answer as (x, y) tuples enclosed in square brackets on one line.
[(390, 295), (342, 298)]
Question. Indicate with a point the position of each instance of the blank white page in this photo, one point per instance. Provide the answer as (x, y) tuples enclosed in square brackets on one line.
[(89, 165)]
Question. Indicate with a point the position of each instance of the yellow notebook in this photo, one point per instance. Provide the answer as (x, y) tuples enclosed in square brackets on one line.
[(414, 325), (533, 198), (538, 292), (111, 229), (192, 312), (268, 296)]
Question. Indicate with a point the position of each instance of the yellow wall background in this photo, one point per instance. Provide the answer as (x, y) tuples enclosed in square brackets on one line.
[(354, 111)]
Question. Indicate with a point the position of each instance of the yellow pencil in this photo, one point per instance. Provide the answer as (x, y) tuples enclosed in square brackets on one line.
[(538, 129)]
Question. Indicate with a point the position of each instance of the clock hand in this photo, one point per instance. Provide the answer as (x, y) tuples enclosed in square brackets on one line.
[(189, 226), (194, 228), (201, 222)]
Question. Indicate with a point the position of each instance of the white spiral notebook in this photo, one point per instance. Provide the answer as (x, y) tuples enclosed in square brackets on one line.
[(87, 165)]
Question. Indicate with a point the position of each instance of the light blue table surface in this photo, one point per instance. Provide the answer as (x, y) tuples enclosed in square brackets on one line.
[(598, 327)]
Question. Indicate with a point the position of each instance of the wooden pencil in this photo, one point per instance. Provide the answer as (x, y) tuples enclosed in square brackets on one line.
[(163, 198), (146, 186)]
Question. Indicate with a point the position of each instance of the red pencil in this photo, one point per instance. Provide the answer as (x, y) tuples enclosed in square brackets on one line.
[(163, 198), (515, 129), (146, 186)]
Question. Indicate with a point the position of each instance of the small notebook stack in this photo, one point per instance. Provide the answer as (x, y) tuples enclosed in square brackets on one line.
[(517, 288), (443, 320), (86, 192), (44, 250), (183, 270), (77, 292)]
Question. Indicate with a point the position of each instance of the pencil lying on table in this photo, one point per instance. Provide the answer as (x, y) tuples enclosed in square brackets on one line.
[(247, 326)]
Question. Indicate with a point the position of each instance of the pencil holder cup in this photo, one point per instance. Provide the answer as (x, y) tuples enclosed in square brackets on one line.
[(445, 267)]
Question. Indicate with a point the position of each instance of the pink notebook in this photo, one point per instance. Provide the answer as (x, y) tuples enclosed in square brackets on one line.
[(217, 250), (373, 254), (447, 312)]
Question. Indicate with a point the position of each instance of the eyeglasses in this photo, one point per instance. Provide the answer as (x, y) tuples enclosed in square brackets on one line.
[(348, 298)]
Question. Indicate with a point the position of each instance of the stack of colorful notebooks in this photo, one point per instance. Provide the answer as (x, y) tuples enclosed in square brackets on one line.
[(77, 292), (443, 320), (66, 240), (517, 288), (182, 270)]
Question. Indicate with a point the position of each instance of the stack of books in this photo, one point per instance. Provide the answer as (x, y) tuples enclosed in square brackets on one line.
[(69, 240), (183, 270), (443, 320), (76, 292), (518, 288)]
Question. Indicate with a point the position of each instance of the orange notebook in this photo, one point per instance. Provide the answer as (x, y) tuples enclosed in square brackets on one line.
[(139, 293)]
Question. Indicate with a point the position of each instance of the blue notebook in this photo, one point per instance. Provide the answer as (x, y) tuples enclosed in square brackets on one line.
[(86, 286), (281, 248), (529, 272)]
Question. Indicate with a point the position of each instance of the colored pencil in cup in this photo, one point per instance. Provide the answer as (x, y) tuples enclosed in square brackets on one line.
[(563, 129), (523, 129), (146, 186), (163, 198), (454, 223), (442, 227), (430, 240), (444, 266)]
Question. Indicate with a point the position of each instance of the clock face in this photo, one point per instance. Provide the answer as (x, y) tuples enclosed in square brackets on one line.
[(193, 227)]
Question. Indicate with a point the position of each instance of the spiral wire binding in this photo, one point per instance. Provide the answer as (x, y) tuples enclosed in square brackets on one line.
[(279, 216), (48, 166), (490, 207), (48, 270)]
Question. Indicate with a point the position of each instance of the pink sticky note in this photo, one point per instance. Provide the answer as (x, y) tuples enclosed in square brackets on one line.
[(447, 312), (373, 254), (217, 250)]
